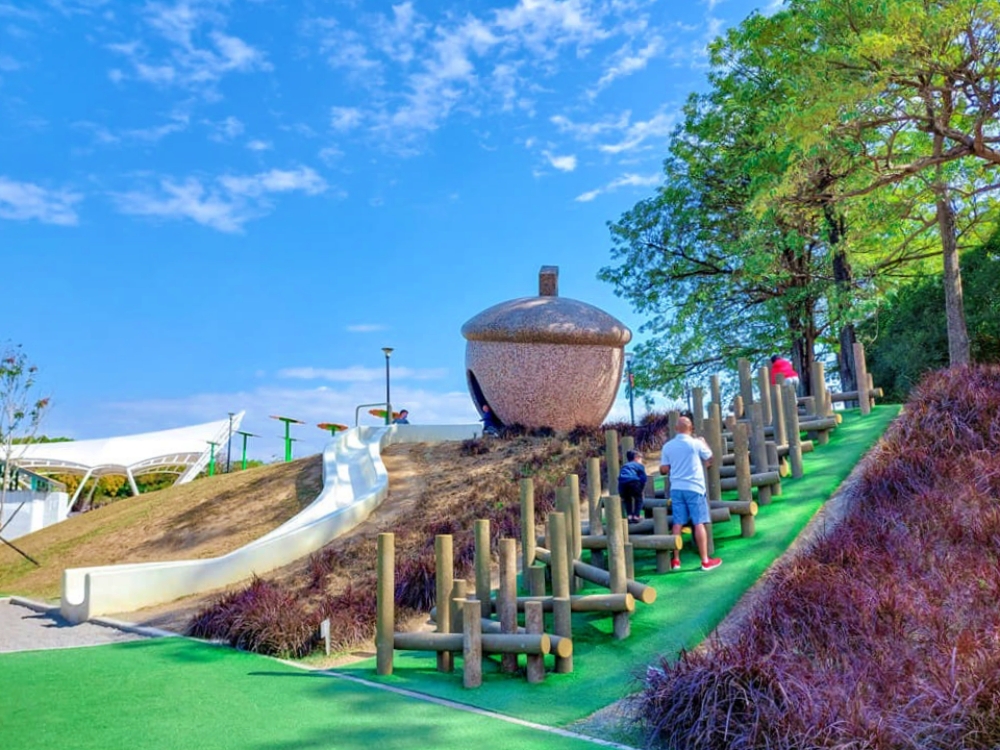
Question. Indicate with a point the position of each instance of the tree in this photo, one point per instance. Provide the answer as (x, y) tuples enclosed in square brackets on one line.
[(20, 411), (910, 89)]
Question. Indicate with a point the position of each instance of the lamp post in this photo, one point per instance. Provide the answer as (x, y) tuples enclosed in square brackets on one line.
[(388, 402), (245, 436), (229, 444), (631, 386)]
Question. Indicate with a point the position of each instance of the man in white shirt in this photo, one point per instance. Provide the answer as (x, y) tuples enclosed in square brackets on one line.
[(683, 459)]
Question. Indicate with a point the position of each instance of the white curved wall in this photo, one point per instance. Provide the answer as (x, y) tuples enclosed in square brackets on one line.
[(355, 482)]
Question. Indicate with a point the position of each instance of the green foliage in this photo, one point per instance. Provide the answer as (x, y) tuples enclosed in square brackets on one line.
[(908, 338)]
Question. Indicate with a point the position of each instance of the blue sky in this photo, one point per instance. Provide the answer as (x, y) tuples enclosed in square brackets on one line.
[(209, 206)]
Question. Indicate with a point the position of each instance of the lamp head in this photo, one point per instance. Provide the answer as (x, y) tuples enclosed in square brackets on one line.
[(387, 350)]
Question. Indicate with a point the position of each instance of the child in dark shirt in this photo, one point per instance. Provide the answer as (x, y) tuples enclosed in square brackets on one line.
[(631, 483)]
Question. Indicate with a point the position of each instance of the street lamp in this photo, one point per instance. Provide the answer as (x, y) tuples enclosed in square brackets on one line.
[(388, 402), (229, 445), (631, 386)]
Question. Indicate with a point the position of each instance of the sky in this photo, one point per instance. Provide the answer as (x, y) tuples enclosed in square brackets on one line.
[(210, 206)]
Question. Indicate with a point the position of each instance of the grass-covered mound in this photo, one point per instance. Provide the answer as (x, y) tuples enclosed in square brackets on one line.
[(887, 633)]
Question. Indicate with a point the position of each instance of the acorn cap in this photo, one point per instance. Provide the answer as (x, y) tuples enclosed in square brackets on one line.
[(547, 320)]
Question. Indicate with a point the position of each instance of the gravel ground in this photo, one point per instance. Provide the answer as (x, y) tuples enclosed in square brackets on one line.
[(26, 626)]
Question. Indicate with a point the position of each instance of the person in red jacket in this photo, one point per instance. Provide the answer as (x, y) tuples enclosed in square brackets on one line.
[(781, 366)]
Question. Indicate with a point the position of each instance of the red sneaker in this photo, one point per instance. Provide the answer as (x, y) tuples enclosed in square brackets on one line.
[(675, 564), (711, 564)]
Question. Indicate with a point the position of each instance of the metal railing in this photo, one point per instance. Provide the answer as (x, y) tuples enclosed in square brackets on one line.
[(359, 407)]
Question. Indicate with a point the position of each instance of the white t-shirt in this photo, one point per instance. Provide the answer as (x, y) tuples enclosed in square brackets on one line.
[(684, 454)]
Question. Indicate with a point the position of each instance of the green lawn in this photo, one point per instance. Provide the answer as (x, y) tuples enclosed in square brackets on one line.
[(175, 693)]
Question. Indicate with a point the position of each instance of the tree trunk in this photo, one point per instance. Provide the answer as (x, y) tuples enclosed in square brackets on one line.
[(843, 277), (845, 359), (958, 333)]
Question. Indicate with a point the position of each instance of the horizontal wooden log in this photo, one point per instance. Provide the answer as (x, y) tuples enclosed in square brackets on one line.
[(720, 515), (807, 447), (637, 540), (756, 480), (561, 645), (585, 602), (642, 592), (494, 643), (853, 395), (737, 507)]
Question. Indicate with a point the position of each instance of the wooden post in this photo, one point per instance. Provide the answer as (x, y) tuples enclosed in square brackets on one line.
[(764, 387), (507, 598), (385, 603), (746, 382), (861, 373), (611, 458), (536, 580), (772, 460), (527, 523), (820, 391), (564, 506), (738, 407), (616, 564), (559, 563), (698, 409), (778, 412), (472, 644), (458, 592), (594, 495), (661, 527), (482, 564), (713, 428), (792, 429), (573, 493), (628, 444), (741, 455), (534, 624), (444, 580), (562, 624), (759, 447), (672, 418), (716, 391)]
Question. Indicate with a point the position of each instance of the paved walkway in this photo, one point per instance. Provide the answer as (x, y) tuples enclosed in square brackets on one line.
[(31, 627)]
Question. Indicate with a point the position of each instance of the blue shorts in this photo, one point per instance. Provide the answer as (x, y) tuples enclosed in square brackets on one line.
[(688, 507)]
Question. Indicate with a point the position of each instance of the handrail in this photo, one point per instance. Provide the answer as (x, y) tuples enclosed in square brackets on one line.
[(359, 407)]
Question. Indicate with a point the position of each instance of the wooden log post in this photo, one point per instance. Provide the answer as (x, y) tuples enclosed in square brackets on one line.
[(861, 373), (792, 429), (482, 564), (628, 444), (746, 382), (713, 430), (536, 580), (778, 411), (527, 523), (617, 573), (534, 625), (741, 452), (672, 416), (513, 644), (507, 599), (716, 390), (774, 461), (444, 571), (661, 528), (824, 407), (385, 602), (764, 388), (558, 562), (575, 525), (459, 591), (594, 495), (758, 447), (640, 591), (472, 644), (698, 409), (562, 624), (612, 459), (739, 408), (565, 506)]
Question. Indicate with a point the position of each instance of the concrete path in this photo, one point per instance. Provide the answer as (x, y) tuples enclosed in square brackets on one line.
[(29, 626)]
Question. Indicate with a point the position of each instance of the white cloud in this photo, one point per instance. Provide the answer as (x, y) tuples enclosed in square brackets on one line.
[(8, 64), (226, 129), (625, 62), (259, 145), (358, 374), (189, 63), (22, 201), (562, 163), (615, 135), (225, 205), (626, 180), (543, 25), (345, 118), (365, 328)]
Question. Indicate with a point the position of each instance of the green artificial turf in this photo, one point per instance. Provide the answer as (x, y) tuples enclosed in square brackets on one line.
[(177, 694), (689, 605)]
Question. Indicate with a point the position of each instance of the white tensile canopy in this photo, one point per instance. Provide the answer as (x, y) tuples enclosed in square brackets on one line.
[(132, 455)]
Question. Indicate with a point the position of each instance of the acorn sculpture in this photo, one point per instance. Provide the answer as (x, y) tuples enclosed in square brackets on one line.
[(545, 361)]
